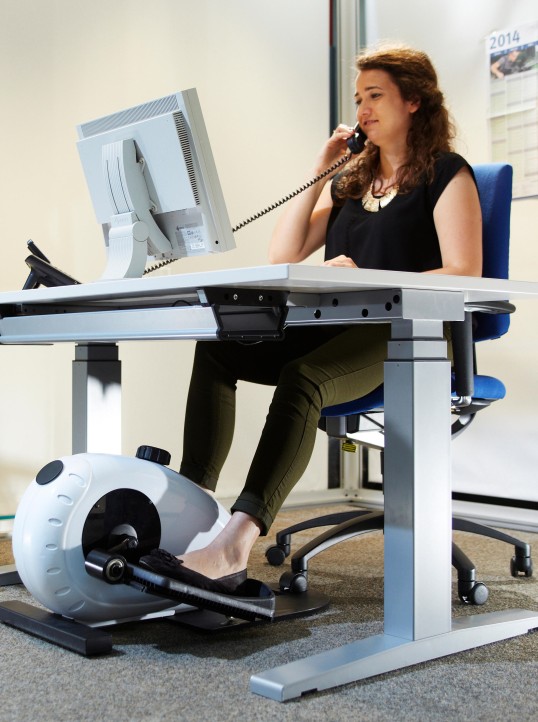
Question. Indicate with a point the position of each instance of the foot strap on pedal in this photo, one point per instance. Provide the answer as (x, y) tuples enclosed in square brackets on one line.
[(256, 601)]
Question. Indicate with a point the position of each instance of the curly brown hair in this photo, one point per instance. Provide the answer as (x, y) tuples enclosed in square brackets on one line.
[(431, 132)]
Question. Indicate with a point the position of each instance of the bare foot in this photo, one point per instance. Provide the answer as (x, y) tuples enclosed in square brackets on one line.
[(228, 553), (210, 564)]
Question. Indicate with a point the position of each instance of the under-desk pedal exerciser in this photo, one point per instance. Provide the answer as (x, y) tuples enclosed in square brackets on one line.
[(80, 529)]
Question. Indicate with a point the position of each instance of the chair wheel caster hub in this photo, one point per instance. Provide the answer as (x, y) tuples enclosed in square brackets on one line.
[(521, 566), (476, 594), (294, 582)]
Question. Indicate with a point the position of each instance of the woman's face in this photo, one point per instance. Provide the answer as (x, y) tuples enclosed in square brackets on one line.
[(382, 113)]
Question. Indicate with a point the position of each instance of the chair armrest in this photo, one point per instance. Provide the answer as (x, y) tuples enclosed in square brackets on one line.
[(463, 352), (463, 347)]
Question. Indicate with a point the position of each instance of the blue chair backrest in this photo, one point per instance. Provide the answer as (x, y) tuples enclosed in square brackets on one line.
[(494, 182)]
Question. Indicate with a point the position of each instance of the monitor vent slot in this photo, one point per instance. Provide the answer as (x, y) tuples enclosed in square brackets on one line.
[(152, 109), (183, 135)]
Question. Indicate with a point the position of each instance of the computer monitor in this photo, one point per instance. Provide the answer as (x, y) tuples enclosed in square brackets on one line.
[(154, 185)]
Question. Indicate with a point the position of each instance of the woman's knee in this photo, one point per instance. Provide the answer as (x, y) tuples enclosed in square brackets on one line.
[(299, 378)]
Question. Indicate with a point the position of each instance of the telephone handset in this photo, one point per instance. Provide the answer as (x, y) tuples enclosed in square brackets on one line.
[(355, 145), (357, 141)]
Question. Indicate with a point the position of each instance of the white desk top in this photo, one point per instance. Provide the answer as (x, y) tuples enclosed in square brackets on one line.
[(292, 277)]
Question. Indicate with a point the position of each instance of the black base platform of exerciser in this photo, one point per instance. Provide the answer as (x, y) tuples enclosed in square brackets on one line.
[(212, 612), (92, 641), (287, 606)]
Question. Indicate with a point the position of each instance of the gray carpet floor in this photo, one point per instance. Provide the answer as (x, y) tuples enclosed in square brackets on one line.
[(163, 671)]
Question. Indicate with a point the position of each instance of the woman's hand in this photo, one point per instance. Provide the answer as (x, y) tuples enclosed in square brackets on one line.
[(334, 149), (341, 261)]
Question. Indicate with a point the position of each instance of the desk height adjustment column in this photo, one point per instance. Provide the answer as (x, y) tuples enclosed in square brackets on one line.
[(96, 399), (418, 522)]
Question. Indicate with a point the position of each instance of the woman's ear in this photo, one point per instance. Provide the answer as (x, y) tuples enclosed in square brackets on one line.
[(413, 105)]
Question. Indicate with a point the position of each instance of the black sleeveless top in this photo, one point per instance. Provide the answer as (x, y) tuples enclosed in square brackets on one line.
[(399, 237)]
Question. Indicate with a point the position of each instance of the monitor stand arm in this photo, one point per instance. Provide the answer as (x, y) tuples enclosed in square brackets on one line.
[(133, 230), (127, 249)]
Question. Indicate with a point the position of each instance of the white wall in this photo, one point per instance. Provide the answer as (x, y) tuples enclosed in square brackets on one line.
[(263, 86), (499, 454)]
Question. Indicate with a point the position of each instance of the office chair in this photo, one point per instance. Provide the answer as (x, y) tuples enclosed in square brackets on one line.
[(471, 393)]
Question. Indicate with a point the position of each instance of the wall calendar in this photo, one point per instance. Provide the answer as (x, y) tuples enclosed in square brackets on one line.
[(512, 58)]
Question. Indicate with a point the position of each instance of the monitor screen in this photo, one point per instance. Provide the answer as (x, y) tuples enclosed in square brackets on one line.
[(154, 185)]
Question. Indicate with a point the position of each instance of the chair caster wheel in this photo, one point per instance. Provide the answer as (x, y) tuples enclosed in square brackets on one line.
[(477, 595), (521, 566), (275, 555), (293, 582)]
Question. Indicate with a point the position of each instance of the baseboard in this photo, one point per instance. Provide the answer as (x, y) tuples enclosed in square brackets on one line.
[(509, 517)]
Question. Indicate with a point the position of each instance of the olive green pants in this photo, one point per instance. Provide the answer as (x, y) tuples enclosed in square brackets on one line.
[(312, 367)]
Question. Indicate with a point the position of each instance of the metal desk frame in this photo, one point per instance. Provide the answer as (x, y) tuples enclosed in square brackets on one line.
[(417, 540)]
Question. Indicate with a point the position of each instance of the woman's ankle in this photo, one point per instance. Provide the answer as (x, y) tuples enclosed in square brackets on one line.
[(229, 552)]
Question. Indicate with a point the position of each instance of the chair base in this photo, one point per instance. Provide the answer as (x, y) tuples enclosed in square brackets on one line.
[(349, 524)]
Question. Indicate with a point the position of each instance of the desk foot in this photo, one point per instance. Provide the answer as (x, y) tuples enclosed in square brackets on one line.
[(385, 653)]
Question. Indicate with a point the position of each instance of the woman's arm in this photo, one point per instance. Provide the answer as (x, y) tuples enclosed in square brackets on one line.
[(302, 227), (458, 221)]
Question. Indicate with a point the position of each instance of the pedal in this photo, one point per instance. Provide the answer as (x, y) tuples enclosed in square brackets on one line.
[(255, 601)]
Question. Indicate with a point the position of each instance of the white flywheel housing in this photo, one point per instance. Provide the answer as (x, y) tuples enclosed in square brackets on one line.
[(87, 501)]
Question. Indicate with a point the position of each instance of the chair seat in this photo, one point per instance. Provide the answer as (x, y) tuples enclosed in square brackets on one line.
[(488, 387), (485, 387)]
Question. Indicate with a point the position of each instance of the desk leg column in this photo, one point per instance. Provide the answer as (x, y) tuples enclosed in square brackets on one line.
[(417, 482), (417, 535), (96, 410)]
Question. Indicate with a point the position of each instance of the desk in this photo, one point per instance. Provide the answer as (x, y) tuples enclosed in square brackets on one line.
[(417, 610)]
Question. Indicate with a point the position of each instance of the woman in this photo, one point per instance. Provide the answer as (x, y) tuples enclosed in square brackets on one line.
[(408, 203)]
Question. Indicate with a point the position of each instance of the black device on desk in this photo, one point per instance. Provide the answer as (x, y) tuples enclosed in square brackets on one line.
[(42, 273)]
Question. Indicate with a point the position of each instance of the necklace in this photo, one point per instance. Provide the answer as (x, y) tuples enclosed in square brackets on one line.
[(374, 202)]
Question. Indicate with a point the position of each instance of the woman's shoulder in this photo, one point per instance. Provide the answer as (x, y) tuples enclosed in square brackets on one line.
[(445, 168), (450, 162)]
